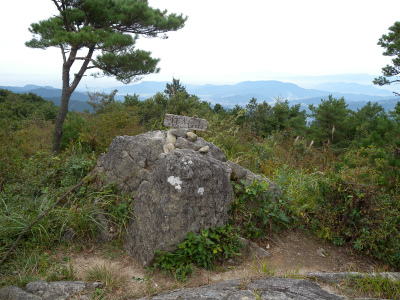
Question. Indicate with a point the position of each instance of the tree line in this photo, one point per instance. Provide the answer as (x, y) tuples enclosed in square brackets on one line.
[(329, 124)]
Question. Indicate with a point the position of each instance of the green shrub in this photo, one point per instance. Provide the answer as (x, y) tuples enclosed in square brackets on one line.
[(257, 211), (360, 215)]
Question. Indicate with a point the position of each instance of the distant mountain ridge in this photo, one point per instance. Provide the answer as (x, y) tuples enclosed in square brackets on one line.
[(356, 95), (44, 91), (77, 101)]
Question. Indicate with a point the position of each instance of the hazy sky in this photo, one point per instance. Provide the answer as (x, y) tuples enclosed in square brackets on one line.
[(224, 41)]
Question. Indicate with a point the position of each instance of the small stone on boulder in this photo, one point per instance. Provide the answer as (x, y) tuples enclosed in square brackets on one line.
[(179, 132), (192, 136), (170, 138), (204, 149), (169, 147)]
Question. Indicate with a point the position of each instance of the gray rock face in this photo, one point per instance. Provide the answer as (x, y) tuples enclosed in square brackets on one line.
[(130, 159), (16, 293), (271, 289), (181, 184), (57, 290), (186, 191)]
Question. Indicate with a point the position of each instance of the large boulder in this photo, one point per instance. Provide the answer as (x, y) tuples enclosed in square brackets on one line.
[(181, 183), (186, 191)]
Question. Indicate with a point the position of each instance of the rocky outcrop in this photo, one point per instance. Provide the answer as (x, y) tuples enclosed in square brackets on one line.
[(340, 277), (271, 288), (181, 184), (57, 290)]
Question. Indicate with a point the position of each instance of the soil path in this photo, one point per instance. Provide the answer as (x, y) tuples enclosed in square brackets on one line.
[(294, 253)]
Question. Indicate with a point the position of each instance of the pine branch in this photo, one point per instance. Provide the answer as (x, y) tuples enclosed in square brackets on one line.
[(82, 58), (58, 6)]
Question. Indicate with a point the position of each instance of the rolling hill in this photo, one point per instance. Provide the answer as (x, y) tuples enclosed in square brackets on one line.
[(356, 95)]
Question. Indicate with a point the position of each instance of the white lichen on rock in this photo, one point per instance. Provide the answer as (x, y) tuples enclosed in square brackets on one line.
[(175, 181), (189, 162)]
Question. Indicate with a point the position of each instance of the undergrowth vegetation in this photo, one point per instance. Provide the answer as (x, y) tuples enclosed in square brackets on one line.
[(257, 211), (342, 184)]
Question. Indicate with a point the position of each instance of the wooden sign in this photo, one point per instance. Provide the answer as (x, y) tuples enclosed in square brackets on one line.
[(194, 123)]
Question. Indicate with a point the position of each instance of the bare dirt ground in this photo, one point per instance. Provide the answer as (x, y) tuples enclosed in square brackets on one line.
[(294, 254)]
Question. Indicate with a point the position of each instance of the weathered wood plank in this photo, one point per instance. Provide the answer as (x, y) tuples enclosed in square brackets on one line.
[(185, 122)]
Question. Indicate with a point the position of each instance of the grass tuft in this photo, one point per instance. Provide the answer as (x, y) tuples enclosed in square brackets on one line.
[(375, 286)]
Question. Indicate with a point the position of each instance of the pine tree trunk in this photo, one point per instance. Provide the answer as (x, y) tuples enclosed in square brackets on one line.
[(67, 91), (62, 113)]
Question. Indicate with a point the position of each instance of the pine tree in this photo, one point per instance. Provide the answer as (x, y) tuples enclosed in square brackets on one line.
[(108, 28), (391, 42), (171, 89), (331, 121), (395, 113), (366, 119)]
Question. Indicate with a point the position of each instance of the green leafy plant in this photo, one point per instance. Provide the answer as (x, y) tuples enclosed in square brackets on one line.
[(207, 249)]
